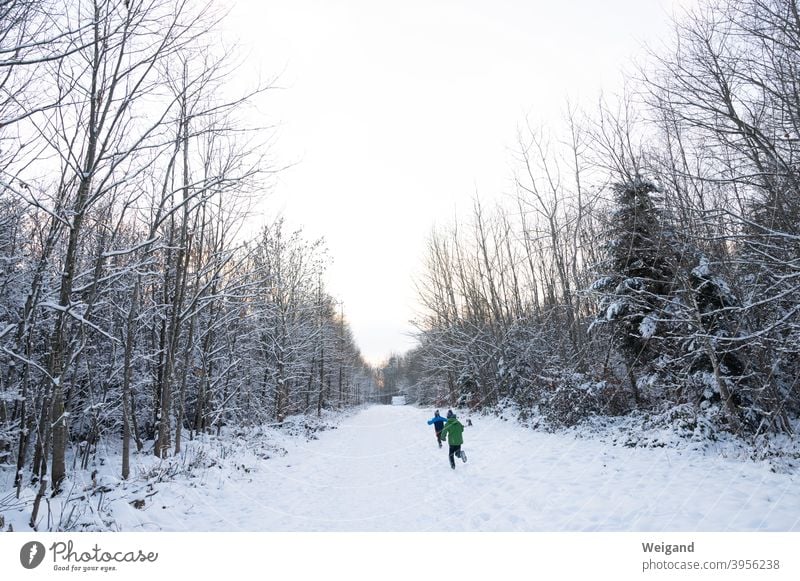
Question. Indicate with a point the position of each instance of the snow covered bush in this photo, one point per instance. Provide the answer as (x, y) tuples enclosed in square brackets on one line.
[(568, 404), (688, 422)]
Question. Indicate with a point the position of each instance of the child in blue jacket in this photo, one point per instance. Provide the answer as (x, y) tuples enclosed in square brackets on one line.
[(438, 423)]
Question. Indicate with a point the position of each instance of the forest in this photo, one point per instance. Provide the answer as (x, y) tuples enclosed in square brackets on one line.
[(648, 261), (137, 302)]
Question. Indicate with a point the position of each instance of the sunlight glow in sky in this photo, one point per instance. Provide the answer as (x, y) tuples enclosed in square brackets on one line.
[(396, 114)]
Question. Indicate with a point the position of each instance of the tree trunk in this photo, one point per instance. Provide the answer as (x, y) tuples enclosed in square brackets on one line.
[(130, 336)]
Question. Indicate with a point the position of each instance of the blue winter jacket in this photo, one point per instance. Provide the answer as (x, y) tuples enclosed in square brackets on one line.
[(438, 420)]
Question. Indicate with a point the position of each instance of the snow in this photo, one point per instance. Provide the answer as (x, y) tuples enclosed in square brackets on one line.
[(614, 310), (647, 328), (6, 330), (703, 270), (381, 470), (601, 283)]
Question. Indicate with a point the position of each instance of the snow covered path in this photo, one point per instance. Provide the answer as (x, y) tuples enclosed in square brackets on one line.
[(382, 471)]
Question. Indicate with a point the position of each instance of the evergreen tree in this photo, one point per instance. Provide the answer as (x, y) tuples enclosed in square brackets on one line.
[(639, 279)]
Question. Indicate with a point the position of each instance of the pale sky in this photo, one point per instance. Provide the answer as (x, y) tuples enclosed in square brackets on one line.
[(398, 113)]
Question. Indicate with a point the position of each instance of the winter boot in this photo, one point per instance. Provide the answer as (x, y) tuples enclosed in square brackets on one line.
[(463, 456), (452, 463)]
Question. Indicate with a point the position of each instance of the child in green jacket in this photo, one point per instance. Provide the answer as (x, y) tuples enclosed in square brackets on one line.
[(454, 432)]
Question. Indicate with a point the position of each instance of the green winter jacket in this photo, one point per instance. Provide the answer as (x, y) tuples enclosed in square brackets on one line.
[(455, 432)]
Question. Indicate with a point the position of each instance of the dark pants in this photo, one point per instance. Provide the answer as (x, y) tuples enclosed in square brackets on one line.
[(454, 451), (439, 434)]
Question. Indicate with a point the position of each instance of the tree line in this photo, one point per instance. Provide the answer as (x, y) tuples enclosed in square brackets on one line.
[(134, 305), (649, 258)]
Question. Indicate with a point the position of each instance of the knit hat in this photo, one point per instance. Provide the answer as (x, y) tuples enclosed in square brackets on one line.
[(450, 414)]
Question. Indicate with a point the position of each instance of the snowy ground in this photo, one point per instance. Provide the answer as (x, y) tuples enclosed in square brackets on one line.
[(381, 470)]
